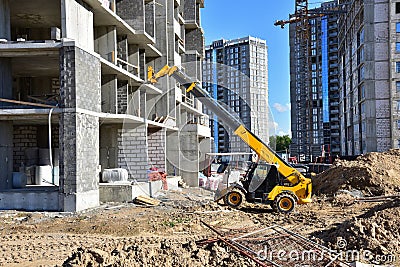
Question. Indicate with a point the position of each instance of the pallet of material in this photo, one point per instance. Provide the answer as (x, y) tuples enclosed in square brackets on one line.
[(145, 200)]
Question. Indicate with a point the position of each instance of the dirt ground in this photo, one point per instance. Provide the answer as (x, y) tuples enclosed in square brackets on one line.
[(134, 235)]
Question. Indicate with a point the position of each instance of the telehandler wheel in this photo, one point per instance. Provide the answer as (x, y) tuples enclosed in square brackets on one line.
[(233, 198), (284, 203)]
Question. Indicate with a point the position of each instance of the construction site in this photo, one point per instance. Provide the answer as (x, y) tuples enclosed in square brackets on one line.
[(107, 155), (341, 225)]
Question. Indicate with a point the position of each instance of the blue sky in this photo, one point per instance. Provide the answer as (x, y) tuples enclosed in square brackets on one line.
[(233, 19)]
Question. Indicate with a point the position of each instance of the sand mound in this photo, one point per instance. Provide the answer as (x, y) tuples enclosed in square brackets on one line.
[(373, 174)]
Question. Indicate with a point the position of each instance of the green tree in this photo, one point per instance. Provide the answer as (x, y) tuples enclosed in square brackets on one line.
[(281, 143)]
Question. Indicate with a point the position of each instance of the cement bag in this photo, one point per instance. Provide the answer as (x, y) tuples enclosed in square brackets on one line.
[(213, 182), (202, 180), (114, 175)]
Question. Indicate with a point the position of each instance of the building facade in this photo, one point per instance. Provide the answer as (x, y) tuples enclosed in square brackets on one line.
[(74, 97), (235, 73), (314, 88), (369, 60)]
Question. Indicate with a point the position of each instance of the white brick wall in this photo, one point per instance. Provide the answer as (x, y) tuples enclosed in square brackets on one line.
[(132, 152), (156, 149)]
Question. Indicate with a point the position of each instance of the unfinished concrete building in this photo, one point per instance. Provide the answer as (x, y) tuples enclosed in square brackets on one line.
[(74, 97), (314, 90), (369, 62)]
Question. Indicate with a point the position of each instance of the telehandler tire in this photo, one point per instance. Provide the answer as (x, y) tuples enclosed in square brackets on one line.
[(233, 198), (284, 203)]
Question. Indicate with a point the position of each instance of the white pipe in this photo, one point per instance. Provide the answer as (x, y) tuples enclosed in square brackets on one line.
[(50, 148)]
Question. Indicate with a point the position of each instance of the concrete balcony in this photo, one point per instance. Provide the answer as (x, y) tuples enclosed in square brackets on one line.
[(201, 130)]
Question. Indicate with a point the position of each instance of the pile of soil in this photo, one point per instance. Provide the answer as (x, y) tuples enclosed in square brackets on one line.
[(165, 253), (375, 234), (373, 174)]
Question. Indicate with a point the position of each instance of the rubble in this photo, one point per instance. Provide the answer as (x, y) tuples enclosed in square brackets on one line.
[(374, 174)]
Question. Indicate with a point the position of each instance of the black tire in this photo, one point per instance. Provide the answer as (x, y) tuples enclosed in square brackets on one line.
[(233, 198), (284, 203)]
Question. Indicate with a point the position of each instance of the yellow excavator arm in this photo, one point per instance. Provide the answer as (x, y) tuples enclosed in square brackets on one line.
[(301, 187)]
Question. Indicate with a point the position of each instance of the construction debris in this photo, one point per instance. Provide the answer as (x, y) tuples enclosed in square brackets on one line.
[(145, 200), (277, 246), (377, 198), (374, 174)]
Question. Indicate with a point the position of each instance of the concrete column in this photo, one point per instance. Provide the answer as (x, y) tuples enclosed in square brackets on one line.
[(109, 94), (6, 133), (172, 152), (79, 133), (123, 49), (161, 33), (150, 18), (189, 154), (142, 104), (5, 79), (133, 58), (6, 155), (5, 28), (108, 147), (79, 160), (105, 42)]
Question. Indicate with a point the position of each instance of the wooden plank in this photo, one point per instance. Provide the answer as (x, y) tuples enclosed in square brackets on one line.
[(147, 200), (26, 103)]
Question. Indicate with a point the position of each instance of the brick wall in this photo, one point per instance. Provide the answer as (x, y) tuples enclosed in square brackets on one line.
[(55, 88), (194, 40), (122, 96), (156, 149), (24, 137), (384, 141), (132, 12), (189, 10), (132, 151)]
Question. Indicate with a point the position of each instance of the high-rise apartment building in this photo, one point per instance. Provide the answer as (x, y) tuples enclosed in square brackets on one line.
[(314, 87), (75, 101), (235, 72), (369, 64)]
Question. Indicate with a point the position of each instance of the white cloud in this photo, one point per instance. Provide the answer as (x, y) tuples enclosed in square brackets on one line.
[(282, 133), (281, 108)]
